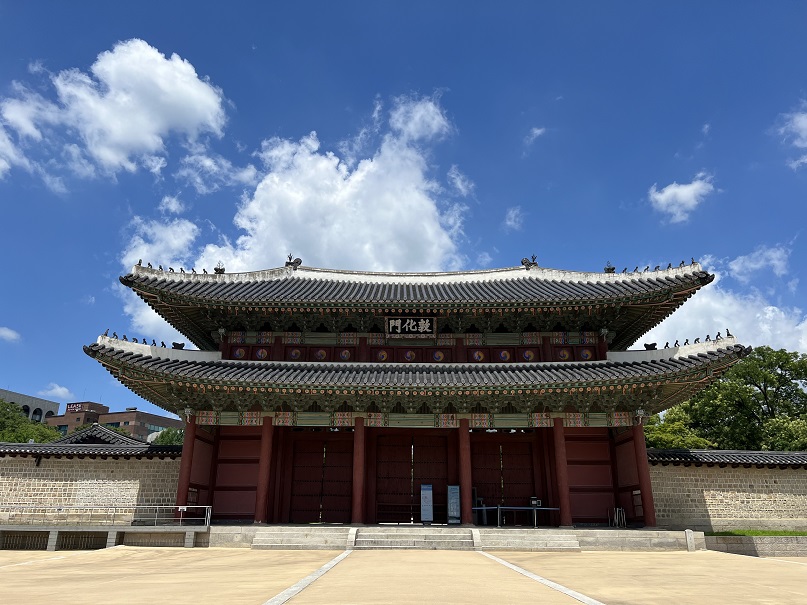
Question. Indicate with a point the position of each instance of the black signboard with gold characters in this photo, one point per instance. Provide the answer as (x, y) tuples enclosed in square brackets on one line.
[(411, 327)]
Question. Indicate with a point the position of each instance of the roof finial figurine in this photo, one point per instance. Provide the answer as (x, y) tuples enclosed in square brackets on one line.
[(696, 341), (106, 333), (153, 343), (676, 344), (529, 264), (686, 342), (115, 335), (149, 265), (181, 270), (170, 269), (162, 344), (667, 345), (205, 270), (718, 336), (219, 268), (609, 268), (625, 270), (139, 262), (708, 339), (159, 267), (293, 263), (635, 269), (658, 268), (693, 260), (134, 339), (682, 264), (193, 270), (124, 338), (669, 265), (728, 334), (647, 268)]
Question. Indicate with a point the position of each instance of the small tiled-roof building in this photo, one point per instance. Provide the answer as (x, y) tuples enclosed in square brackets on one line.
[(319, 395)]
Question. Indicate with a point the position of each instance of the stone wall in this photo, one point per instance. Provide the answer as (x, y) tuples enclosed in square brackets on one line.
[(88, 482), (711, 498), (760, 546)]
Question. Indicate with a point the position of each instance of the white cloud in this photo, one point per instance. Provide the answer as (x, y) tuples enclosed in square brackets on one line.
[(209, 172), (418, 119), (706, 128), (750, 317), (794, 131), (513, 218), (166, 243), (483, 259), (56, 392), (533, 134), (461, 183), (8, 334), (679, 200), (118, 116), (10, 155), (775, 258), (383, 215), (88, 300), (171, 204)]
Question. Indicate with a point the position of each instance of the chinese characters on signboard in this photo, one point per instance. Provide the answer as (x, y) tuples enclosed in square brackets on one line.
[(411, 327)]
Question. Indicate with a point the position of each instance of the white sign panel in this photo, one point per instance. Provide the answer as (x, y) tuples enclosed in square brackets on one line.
[(426, 503), (454, 515)]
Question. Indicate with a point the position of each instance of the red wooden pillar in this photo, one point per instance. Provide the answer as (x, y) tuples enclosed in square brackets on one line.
[(264, 466), (359, 471), (187, 461), (648, 507), (466, 480), (562, 473)]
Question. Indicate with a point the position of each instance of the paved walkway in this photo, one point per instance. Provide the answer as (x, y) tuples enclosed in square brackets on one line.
[(220, 576)]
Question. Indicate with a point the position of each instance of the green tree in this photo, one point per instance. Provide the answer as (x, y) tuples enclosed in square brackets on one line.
[(759, 404), (170, 436), (16, 428), (673, 432)]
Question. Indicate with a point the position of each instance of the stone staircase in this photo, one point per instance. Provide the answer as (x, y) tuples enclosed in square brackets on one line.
[(414, 537), (543, 540), (303, 537), (441, 537)]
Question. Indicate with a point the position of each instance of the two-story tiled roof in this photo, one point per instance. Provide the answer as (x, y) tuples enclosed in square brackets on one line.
[(653, 380), (636, 302)]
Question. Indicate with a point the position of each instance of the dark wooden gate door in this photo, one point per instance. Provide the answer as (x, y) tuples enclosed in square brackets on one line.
[(322, 480), (394, 479), (503, 473), (430, 465), (404, 462)]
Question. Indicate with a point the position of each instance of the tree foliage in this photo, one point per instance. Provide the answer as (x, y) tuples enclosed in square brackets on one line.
[(15, 427), (759, 404), (170, 436)]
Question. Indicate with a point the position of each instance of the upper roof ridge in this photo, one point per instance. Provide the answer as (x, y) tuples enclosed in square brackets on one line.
[(476, 275)]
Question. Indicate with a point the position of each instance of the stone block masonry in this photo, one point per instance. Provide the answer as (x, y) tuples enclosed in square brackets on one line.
[(715, 498), (88, 482)]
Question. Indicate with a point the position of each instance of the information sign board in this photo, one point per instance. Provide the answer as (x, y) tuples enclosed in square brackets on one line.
[(426, 503), (454, 515)]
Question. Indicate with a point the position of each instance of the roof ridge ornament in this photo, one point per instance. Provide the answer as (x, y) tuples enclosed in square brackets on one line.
[(294, 263), (529, 264), (219, 268)]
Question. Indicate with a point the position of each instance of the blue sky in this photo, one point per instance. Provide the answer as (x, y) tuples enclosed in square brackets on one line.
[(392, 136)]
